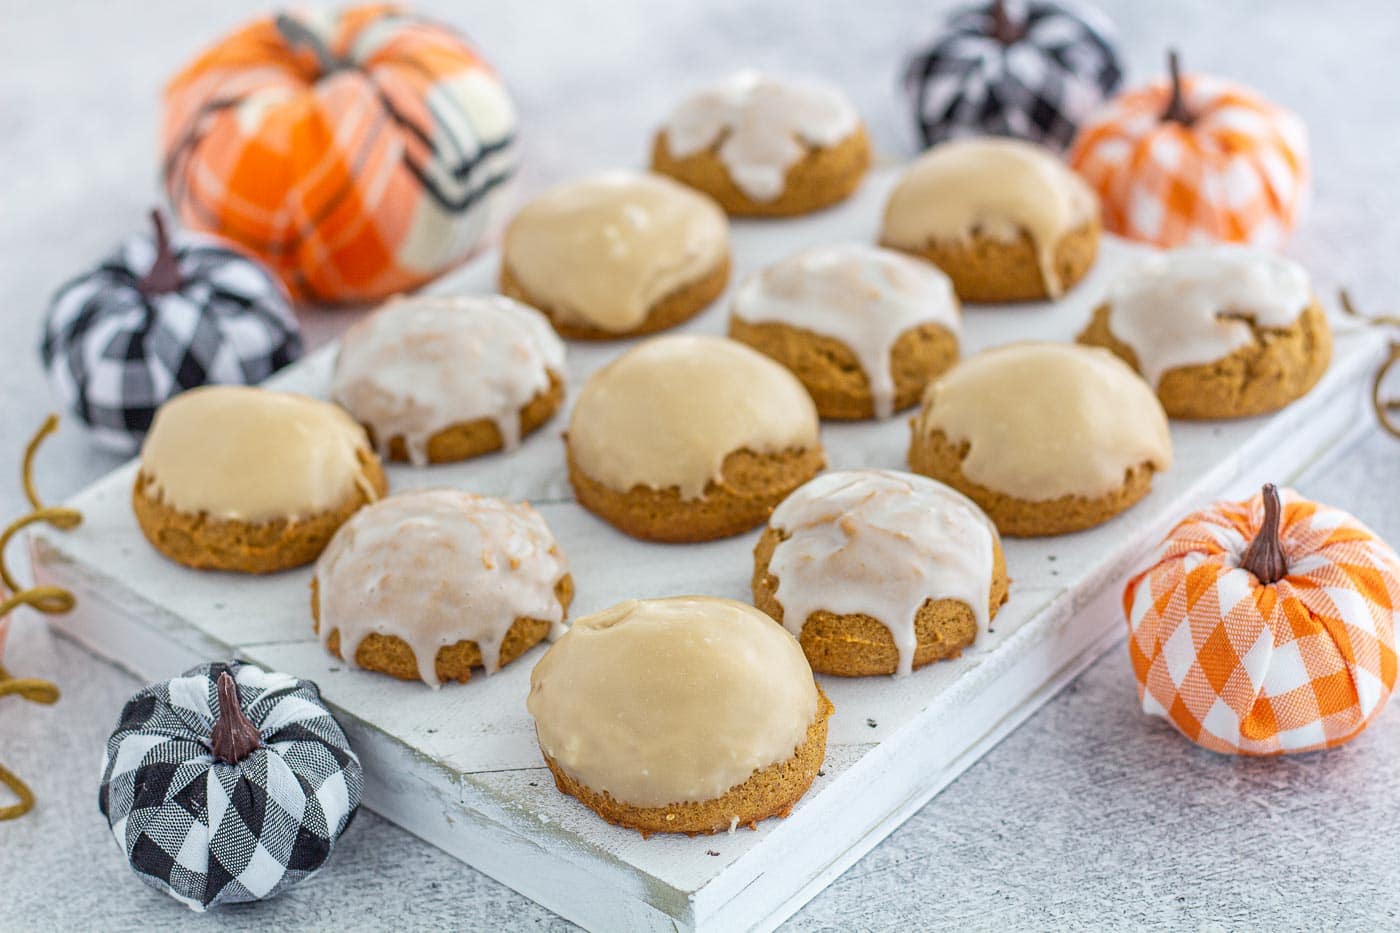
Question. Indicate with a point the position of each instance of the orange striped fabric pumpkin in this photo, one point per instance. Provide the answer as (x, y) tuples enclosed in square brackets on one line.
[(1196, 159), (358, 154), (1266, 626)]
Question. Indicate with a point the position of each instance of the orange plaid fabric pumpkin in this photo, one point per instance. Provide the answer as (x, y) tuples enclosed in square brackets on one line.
[(358, 154), (1195, 159), (1265, 627)]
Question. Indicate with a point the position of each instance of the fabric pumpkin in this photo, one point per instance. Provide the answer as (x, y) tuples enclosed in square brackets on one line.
[(1033, 69), (228, 784), (359, 154), (1196, 159), (1265, 626), (159, 316)]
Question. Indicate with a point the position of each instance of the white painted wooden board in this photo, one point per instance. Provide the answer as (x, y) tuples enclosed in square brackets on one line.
[(460, 767)]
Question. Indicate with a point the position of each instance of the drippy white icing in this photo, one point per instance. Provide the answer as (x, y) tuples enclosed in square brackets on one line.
[(421, 365), (436, 567), (767, 125), (880, 543), (1184, 307), (863, 296)]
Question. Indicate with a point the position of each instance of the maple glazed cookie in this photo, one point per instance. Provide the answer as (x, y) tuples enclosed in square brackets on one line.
[(1047, 438), (683, 715), (1006, 219), (617, 255), (765, 146), (688, 438), (246, 479), (436, 379), (433, 583), (864, 328), (1219, 331)]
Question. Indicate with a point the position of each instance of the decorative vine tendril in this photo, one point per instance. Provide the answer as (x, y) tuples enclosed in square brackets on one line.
[(50, 600), (1387, 409)]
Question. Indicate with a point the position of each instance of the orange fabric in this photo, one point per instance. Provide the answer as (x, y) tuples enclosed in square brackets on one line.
[(1236, 666), (1238, 173), (353, 184)]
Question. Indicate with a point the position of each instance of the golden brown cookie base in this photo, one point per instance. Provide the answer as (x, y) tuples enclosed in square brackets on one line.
[(205, 543), (859, 645), (751, 485), (390, 654), (987, 270), (474, 438), (934, 455), (1280, 366), (834, 377), (819, 179), (771, 791), (676, 308)]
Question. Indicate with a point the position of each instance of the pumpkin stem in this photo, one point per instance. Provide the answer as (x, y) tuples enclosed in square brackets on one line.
[(1264, 557), (164, 274), (1176, 107), (296, 33), (1004, 30), (234, 736)]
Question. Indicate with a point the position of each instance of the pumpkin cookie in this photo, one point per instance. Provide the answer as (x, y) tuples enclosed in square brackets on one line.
[(865, 329), (879, 572), (1220, 331), (436, 379), (617, 255), (764, 146), (430, 584), (690, 438), (1004, 218), (683, 715), (245, 479), (1047, 438)]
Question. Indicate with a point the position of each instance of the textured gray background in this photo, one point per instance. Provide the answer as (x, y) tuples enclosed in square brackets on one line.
[(1089, 816)]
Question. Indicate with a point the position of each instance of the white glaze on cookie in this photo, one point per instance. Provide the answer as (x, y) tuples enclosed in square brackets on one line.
[(421, 365), (763, 126), (1187, 307), (880, 543), (993, 187), (863, 296), (669, 411), (1045, 420), (662, 701), (436, 567)]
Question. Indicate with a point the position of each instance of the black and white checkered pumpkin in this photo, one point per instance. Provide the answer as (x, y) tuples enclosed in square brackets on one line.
[(1033, 69), (159, 316), (228, 784)]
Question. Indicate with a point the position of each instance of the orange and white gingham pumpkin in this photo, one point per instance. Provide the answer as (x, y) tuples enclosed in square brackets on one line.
[(358, 154), (1242, 665), (1195, 159)]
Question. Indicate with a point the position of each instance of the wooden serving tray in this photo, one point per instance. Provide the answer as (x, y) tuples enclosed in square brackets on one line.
[(460, 768)]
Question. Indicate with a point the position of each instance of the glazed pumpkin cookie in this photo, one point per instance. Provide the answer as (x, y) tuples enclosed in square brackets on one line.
[(617, 255), (436, 379), (864, 328), (1047, 438), (432, 583), (689, 438), (246, 479), (1220, 331), (683, 715), (879, 572), (1006, 219), (764, 146)]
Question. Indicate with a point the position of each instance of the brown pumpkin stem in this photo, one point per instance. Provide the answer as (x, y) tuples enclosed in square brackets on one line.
[(1387, 409), (234, 736), (296, 34), (164, 275), (1264, 557), (1176, 107), (1004, 29)]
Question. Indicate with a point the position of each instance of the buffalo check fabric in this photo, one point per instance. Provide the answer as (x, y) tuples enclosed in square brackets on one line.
[(358, 153), (207, 832), (1240, 667), (1238, 173)]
